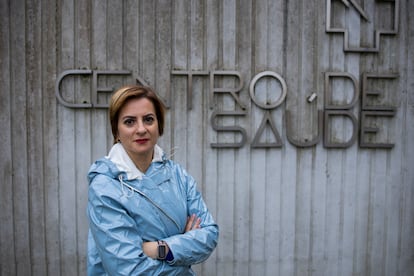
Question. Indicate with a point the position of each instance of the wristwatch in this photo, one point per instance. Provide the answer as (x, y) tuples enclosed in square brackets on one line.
[(162, 250)]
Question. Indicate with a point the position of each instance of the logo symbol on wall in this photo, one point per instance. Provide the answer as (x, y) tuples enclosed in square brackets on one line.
[(378, 32)]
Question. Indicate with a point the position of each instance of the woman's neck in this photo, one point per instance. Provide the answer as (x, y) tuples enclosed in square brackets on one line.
[(142, 162)]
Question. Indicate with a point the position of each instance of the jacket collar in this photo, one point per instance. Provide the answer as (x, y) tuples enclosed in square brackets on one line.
[(121, 159)]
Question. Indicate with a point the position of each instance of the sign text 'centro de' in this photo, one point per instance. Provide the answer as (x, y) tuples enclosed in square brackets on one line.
[(362, 127)]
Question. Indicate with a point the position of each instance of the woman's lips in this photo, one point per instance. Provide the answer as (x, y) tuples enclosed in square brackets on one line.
[(141, 141)]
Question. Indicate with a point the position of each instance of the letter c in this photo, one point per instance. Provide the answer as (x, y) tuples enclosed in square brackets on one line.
[(59, 81)]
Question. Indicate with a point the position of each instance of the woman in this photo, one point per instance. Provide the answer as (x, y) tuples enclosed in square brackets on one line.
[(146, 216)]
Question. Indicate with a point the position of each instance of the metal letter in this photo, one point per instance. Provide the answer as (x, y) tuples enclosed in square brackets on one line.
[(365, 129), (328, 93), (231, 91), (267, 119), (58, 84), (306, 143), (266, 74), (366, 92), (328, 140), (96, 89), (236, 129)]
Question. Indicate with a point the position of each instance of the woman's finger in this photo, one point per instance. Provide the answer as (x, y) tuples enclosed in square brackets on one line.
[(190, 222), (197, 224)]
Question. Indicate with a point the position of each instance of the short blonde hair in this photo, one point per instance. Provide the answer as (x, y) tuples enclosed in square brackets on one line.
[(126, 93)]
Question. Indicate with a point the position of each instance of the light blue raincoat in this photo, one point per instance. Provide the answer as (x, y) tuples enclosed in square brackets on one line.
[(127, 208)]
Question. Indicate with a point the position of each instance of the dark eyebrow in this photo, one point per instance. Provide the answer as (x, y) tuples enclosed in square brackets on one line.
[(149, 114), (128, 117)]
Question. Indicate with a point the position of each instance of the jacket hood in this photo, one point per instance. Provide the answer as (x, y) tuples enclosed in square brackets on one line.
[(118, 162)]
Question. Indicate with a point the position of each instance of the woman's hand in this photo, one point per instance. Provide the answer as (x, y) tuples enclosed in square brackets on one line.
[(193, 223), (151, 248)]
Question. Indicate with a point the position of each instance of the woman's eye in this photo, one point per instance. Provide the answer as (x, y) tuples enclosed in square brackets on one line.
[(129, 122), (149, 119)]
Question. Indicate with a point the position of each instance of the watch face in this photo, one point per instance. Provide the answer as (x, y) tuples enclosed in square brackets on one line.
[(162, 251)]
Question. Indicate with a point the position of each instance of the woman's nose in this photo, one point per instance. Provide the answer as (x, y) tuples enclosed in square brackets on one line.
[(141, 128)]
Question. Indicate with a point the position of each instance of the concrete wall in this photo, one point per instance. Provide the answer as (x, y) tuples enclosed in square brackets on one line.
[(297, 186)]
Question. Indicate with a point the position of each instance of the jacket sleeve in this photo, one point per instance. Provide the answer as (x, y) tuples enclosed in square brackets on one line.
[(194, 246), (117, 241)]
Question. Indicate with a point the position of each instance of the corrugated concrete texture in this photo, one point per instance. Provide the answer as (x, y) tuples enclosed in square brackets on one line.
[(295, 117)]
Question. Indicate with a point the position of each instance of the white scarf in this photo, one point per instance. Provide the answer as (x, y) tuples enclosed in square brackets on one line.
[(121, 159)]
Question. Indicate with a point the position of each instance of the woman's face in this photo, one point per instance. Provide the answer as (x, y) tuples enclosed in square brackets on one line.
[(138, 129)]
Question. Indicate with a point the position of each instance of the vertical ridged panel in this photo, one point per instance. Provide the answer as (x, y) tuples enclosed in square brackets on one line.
[(281, 211)]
